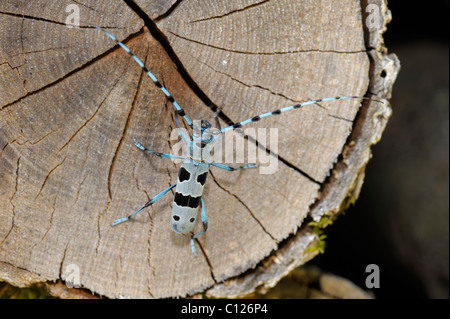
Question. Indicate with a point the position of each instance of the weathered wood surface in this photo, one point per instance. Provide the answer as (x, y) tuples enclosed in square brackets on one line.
[(71, 103)]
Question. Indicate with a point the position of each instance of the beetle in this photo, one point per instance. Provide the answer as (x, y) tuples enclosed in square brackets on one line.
[(195, 166)]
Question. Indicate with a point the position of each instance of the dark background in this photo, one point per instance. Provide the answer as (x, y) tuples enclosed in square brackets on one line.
[(401, 220)]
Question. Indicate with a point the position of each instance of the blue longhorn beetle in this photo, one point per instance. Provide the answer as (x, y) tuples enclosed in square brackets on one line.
[(194, 168)]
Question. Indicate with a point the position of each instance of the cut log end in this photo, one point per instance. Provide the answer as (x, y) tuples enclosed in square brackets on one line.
[(73, 101)]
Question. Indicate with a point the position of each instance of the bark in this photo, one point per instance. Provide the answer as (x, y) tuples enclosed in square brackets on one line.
[(72, 102)]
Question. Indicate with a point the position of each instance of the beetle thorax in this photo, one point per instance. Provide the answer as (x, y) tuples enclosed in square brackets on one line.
[(202, 140)]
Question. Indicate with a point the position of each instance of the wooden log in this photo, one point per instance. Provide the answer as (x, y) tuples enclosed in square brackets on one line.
[(72, 102)]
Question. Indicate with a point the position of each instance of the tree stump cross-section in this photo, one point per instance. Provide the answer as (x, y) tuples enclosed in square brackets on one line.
[(71, 102)]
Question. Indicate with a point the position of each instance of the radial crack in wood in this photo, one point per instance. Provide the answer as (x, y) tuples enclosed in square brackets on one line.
[(72, 101)]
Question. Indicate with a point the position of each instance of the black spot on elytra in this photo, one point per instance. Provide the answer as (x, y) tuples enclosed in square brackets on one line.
[(202, 178), (183, 175), (187, 201)]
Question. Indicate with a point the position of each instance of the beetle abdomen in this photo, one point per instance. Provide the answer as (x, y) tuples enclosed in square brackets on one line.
[(188, 194)]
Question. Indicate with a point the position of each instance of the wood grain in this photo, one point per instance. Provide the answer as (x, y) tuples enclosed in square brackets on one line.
[(72, 102)]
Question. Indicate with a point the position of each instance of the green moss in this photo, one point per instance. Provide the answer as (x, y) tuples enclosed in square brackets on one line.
[(349, 200), (36, 291), (318, 229)]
